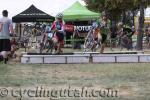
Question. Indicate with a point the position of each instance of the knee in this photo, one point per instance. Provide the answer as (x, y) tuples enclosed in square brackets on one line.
[(55, 40)]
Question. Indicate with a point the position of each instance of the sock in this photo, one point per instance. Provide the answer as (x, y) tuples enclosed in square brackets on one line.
[(5, 60)]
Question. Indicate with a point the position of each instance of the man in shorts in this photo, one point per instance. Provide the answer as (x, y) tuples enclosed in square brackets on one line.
[(6, 28), (104, 30)]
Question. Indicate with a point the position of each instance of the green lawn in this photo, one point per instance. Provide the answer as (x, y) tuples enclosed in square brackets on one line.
[(132, 81)]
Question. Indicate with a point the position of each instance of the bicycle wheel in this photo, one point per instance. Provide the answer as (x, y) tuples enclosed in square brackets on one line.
[(114, 44), (27, 31), (88, 45), (50, 47)]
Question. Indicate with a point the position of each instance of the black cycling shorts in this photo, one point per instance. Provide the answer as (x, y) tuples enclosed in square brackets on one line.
[(60, 36), (104, 38), (5, 45)]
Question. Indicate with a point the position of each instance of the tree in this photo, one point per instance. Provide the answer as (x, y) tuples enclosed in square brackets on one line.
[(116, 8)]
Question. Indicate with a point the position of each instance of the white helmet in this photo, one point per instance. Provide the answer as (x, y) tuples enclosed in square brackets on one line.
[(120, 24), (59, 15), (95, 25)]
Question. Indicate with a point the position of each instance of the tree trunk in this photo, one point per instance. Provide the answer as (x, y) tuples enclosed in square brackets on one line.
[(133, 15), (124, 17), (140, 28)]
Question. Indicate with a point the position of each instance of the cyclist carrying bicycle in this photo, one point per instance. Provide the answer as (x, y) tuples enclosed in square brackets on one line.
[(125, 36), (92, 40), (58, 28), (96, 34)]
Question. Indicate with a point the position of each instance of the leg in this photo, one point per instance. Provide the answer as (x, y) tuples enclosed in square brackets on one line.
[(102, 47), (5, 56), (104, 37), (1, 57), (60, 46), (55, 43), (5, 49)]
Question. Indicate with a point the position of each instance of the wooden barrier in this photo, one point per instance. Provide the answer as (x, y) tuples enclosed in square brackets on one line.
[(54, 59), (89, 57)]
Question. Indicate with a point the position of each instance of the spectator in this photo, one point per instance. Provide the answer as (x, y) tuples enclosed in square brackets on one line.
[(148, 36), (6, 27), (104, 30)]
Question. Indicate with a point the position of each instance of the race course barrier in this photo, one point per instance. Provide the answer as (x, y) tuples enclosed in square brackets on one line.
[(55, 59), (77, 58)]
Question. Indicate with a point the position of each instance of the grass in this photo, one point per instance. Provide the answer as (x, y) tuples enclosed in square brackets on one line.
[(132, 80)]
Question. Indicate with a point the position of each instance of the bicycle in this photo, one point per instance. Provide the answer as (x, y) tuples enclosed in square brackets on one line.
[(90, 43), (47, 43), (122, 40), (31, 31)]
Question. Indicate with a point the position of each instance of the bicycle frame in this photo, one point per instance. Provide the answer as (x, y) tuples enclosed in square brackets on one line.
[(89, 43)]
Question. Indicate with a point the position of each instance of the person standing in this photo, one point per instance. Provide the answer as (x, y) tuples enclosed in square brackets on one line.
[(104, 30), (148, 36), (6, 27)]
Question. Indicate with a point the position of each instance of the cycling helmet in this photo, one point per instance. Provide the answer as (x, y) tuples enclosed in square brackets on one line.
[(103, 13), (120, 24), (59, 15), (95, 24)]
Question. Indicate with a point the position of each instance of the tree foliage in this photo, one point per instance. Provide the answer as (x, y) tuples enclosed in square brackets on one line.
[(118, 8), (115, 7)]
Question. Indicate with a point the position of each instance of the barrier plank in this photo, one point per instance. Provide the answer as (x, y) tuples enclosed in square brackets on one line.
[(127, 58), (104, 59), (55, 60), (144, 58), (87, 58), (78, 59)]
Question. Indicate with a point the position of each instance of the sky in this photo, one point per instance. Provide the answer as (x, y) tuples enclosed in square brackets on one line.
[(51, 7)]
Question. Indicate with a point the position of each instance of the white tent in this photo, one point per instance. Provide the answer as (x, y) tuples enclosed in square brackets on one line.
[(147, 12)]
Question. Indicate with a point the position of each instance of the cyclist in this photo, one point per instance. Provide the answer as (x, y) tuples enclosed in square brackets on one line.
[(125, 36), (92, 40), (58, 28), (104, 30), (96, 34)]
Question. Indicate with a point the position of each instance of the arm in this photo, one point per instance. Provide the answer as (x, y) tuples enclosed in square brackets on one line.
[(1, 26), (52, 26), (11, 28)]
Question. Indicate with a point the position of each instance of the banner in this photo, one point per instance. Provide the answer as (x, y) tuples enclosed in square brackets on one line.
[(82, 28)]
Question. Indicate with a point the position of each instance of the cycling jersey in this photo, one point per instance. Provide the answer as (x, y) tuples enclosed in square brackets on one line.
[(59, 25)]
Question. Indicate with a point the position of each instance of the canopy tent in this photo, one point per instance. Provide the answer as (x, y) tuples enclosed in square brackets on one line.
[(79, 12), (32, 14)]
